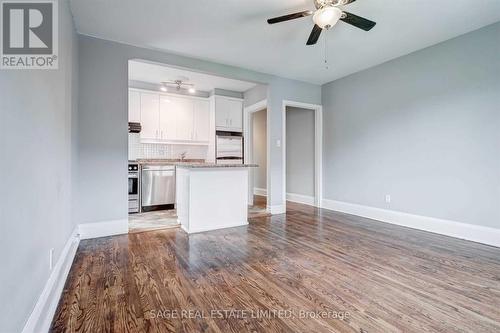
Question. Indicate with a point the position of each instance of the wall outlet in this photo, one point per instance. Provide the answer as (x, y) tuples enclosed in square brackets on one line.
[(51, 258), (278, 143), (388, 198)]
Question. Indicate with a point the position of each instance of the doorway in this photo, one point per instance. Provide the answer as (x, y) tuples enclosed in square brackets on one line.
[(259, 156), (302, 153), (256, 136)]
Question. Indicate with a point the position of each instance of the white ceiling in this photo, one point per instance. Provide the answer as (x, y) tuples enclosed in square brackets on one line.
[(235, 32), (153, 73)]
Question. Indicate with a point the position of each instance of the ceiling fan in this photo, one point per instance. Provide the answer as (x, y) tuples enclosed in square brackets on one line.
[(178, 83), (326, 15)]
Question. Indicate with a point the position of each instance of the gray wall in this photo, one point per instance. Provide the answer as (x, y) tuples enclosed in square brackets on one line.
[(300, 151), (259, 137), (103, 121), (424, 128), (37, 146), (279, 90), (256, 94)]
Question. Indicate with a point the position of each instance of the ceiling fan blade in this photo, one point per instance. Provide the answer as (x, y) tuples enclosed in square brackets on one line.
[(313, 37), (358, 21), (289, 17)]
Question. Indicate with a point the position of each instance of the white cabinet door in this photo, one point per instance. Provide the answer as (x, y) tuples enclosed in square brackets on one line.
[(150, 110), (201, 120), (235, 115), (221, 112), (134, 106), (228, 114), (183, 108), (168, 119)]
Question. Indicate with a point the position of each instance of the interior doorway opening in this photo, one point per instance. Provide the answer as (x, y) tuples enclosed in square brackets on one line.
[(302, 153), (256, 136), (258, 186)]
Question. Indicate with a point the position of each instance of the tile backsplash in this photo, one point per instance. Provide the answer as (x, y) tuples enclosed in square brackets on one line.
[(138, 150)]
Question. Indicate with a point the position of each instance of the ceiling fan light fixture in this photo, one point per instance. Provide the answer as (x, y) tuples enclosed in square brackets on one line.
[(163, 88), (327, 17), (192, 90)]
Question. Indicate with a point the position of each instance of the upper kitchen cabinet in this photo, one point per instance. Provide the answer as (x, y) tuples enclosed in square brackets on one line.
[(228, 114), (167, 118), (183, 109), (150, 116), (201, 119), (134, 106)]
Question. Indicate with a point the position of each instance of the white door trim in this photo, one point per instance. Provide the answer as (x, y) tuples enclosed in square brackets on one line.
[(318, 147), (248, 144)]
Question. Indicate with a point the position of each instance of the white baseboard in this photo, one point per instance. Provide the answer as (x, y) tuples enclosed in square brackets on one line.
[(103, 229), (260, 191), (276, 209), (300, 198), (475, 233), (40, 319)]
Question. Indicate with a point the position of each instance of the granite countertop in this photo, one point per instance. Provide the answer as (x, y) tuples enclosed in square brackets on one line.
[(212, 165), (191, 163), (165, 161)]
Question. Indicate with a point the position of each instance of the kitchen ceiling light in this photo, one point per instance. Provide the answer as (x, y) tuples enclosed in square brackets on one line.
[(179, 84), (327, 17)]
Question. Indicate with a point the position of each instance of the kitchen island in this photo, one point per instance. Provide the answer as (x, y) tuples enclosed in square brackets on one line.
[(211, 196)]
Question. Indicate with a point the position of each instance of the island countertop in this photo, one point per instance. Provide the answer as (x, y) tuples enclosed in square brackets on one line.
[(191, 164), (188, 165)]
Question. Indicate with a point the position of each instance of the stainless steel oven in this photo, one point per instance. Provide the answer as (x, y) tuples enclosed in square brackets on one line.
[(229, 148), (133, 188)]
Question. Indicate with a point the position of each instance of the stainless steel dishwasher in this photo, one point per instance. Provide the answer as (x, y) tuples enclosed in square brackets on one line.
[(157, 187)]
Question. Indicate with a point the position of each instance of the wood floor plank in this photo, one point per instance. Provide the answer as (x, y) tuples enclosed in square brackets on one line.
[(258, 278)]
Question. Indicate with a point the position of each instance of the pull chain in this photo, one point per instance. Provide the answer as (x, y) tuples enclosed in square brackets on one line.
[(326, 54)]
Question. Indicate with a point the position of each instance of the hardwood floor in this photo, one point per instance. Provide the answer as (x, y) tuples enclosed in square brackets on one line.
[(259, 207), (378, 277)]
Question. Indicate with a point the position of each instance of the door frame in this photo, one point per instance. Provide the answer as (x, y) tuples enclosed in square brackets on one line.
[(318, 147), (248, 145)]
